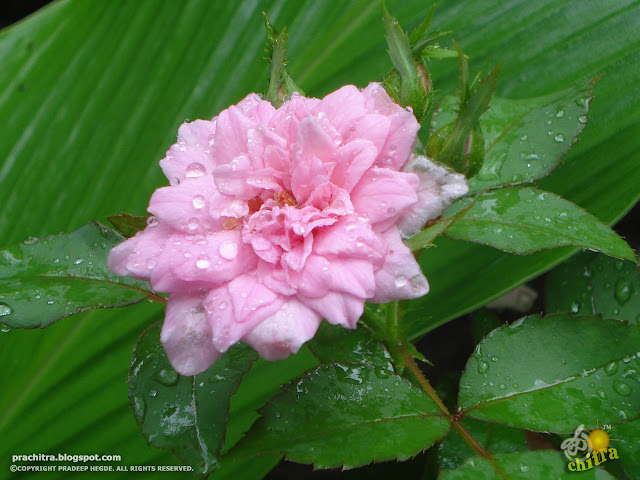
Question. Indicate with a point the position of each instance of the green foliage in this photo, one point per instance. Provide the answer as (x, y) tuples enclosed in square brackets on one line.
[(128, 225), (526, 138), (591, 283), (521, 466), (280, 82), (187, 415), (44, 281), (540, 374), (496, 438), (525, 220), (345, 415)]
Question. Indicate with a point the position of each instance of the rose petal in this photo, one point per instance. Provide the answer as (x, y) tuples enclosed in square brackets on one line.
[(285, 331), (187, 336)]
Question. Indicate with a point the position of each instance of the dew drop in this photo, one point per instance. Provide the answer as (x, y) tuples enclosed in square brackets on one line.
[(139, 407), (575, 306), (623, 291), (5, 310), (195, 170), (559, 138), (153, 393), (582, 119), (192, 225), (152, 221), (166, 376), (622, 388), (203, 262), (223, 305), (212, 140), (359, 242), (560, 113), (229, 251), (198, 201), (78, 261), (523, 138), (611, 368), (151, 263), (483, 367), (401, 281), (392, 148), (502, 386), (494, 359), (50, 302), (31, 240)]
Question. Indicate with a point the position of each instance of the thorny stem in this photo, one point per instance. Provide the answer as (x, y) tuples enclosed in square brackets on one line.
[(455, 421)]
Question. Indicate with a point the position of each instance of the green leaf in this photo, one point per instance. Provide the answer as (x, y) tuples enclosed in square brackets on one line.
[(625, 440), (336, 344), (345, 415), (524, 220), (591, 283), (128, 225), (44, 281), (525, 139), (521, 466), (453, 451), (186, 415), (541, 374)]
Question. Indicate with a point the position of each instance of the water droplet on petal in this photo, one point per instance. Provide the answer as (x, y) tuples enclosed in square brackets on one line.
[(203, 262), (401, 281), (223, 305), (195, 170), (192, 225), (198, 201), (152, 221), (229, 251), (151, 263)]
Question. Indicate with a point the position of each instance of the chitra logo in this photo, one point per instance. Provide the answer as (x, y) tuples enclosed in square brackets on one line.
[(588, 448)]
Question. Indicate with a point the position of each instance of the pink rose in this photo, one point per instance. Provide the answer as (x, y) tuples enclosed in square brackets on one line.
[(276, 219)]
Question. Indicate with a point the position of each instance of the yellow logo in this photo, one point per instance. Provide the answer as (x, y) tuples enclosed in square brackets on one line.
[(588, 448)]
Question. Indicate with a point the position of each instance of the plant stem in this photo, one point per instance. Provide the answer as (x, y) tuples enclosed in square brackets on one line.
[(156, 298), (455, 421)]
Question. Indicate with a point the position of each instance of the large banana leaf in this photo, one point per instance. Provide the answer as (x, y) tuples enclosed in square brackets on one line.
[(91, 94)]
